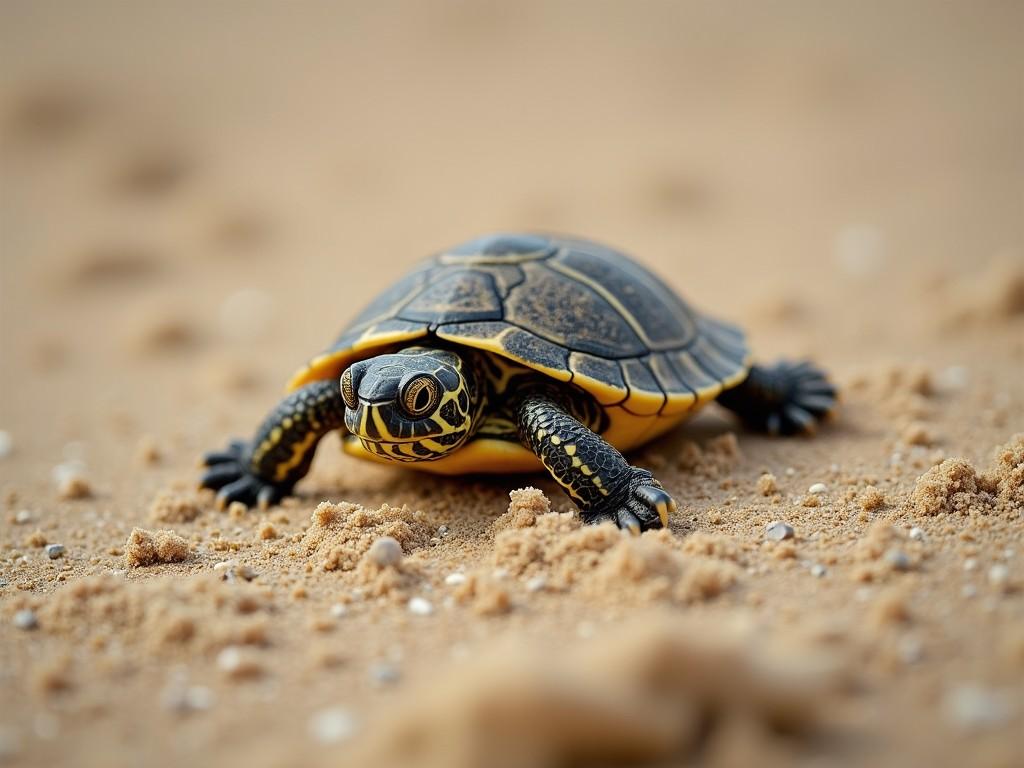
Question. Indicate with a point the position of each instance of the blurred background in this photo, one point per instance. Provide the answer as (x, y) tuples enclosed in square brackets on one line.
[(162, 157), (195, 197)]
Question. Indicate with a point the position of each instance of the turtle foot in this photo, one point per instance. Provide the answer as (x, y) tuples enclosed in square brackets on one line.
[(646, 507), (787, 398), (230, 474)]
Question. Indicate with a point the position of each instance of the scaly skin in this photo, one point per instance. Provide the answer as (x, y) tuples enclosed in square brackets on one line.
[(590, 470), (265, 470)]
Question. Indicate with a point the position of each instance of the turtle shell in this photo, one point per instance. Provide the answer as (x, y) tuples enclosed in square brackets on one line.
[(571, 309)]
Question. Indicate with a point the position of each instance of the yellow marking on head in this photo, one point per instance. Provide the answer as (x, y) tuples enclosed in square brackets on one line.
[(570, 449), (541, 434), (577, 462), (586, 470), (298, 454), (604, 491), (597, 481), (556, 440), (275, 435), (382, 427), (287, 422)]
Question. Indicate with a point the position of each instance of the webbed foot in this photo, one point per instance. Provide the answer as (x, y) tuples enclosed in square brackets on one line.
[(230, 473), (782, 399)]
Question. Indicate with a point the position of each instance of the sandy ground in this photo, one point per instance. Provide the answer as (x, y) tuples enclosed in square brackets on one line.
[(194, 201)]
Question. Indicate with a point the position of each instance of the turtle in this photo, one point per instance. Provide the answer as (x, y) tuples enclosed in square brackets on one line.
[(521, 352)]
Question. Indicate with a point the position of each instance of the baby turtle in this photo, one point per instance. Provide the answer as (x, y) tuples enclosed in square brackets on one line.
[(515, 353)]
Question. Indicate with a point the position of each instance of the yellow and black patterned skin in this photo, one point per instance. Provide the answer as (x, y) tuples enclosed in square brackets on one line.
[(517, 352)]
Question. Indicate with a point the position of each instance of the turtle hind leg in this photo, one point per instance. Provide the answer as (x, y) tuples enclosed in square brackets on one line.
[(786, 398)]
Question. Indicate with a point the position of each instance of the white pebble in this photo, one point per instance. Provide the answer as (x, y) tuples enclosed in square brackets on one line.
[(385, 552), (53, 551), (953, 379), (442, 531), (777, 531), (898, 559), (23, 516), (330, 726), (916, 534), (818, 570), (338, 610), (230, 658), (68, 470), (790, 471), (26, 619), (454, 579), (246, 314), (970, 564), (998, 575), (974, 708), (383, 673), (500, 574), (910, 649), (817, 488), (6, 444), (968, 591), (184, 699), (536, 584), (420, 606)]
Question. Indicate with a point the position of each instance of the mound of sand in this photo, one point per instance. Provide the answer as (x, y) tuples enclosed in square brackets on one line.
[(663, 689)]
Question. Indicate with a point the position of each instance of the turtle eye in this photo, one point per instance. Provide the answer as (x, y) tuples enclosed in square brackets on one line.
[(348, 392), (420, 395)]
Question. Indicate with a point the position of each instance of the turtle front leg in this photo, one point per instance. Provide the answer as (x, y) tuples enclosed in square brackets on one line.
[(594, 474), (266, 469)]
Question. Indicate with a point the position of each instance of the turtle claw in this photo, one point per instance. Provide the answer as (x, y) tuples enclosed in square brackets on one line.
[(229, 474), (647, 507), (786, 398)]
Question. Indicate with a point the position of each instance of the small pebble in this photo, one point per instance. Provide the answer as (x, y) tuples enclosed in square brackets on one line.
[(330, 726), (536, 584), (974, 708), (998, 575), (777, 531), (916, 534), (6, 444), (818, 488), (53, 551), (385, 552), (239, 663), (790, 471), (184, 699), (970, 564), (910, 649), (442, 531), (818, 570), (969, 591), (383, 673), (454, 579), (953, 379), (23, 516), (338, 610), (26, 619), (420, 606), (898, 559)]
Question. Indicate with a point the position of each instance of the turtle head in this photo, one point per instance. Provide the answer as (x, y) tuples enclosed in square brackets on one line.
[(414, 405)]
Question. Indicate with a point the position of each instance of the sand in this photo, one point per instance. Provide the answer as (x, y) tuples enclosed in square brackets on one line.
[(196, 199)]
